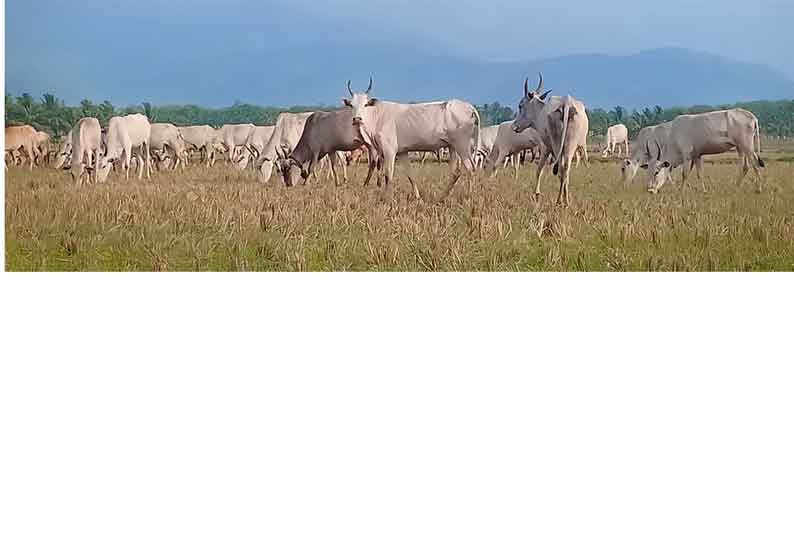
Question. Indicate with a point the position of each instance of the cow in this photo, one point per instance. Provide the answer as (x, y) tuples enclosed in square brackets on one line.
[(326, 134), (233, 137), (487, 140), (203, 139), (22, 138), (43, 147), (510, 144), (396, 129), (287, 134), (86, 150), (256, 142), (692, 137), (126, 135), (640, 155), (563, 126), (616, 136), (166, 139), (64, 153)]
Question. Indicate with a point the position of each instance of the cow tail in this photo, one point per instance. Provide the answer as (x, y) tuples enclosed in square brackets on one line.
[(477, 131), (757, 142), (565, 118)]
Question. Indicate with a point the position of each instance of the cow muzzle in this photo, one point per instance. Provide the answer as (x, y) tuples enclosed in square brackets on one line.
[(357, 121)]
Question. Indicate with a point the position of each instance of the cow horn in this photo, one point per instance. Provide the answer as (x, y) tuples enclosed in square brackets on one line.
[(648, 148), (540, 84), (349, 88), (526, 87), (660, 150), (369, 88)]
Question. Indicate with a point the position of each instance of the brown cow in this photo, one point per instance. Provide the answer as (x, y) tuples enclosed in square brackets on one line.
[(22, 138)]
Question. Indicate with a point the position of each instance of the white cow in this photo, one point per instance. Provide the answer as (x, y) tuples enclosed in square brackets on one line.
[(509, 145), (396, 129), (22, 138), (257, 140), (233, 138), (286, 135), (487, 141), (692, 137), (616, 136), (126, 135), (641, 156), (204, 139), (166, 139), (86, 150), (563, 125), (64, 153)]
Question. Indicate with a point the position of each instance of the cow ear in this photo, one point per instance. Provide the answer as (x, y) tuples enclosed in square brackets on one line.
[(347, 102), (644, 166), (545, 95), (372, 102), (667, 164)]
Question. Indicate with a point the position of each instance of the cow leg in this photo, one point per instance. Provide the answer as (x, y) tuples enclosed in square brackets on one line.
[(565, 180), (494, 162), (699, 171), (403, 164), (517, 166), (340, 162), (147, 160), (684, 174), (744, 169), (372, 164), (389, 163), (544, 158), (757, 164), (334, 173)]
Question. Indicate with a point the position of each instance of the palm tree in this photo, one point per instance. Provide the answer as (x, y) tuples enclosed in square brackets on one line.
[(149, 111), (88, 108), (106, 110), (26, 103)]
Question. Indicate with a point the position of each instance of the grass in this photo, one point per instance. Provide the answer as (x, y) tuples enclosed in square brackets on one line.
[(222, 221)]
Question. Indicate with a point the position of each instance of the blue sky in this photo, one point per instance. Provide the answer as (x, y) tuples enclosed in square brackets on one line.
[(58, 44)]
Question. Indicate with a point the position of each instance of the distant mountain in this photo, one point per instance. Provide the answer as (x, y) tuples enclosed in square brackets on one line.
[(307, 62)]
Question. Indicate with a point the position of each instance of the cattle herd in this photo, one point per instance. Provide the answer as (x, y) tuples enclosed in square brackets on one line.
[(551, 129)]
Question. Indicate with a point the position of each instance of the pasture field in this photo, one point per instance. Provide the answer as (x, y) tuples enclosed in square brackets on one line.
[(219, 220)]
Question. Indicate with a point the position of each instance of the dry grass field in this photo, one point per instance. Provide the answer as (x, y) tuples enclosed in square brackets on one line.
[(219, 220)]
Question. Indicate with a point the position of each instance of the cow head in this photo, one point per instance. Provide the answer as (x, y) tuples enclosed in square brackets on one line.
[(629, 170), (530, 107), (64, 155), (287, 167), (359, 102), (659, 170)]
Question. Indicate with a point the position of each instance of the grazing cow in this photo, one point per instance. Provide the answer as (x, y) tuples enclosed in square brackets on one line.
[(289, 129), (233, 137), (167, 140), (64, 153), (510, 144), (694, 136), (326, 134), (43, 146), (563, 126), (487, 140), (126, 135), (86, 150), (395, 129), (257, 140), (641, 156), (203, 139), (616, 136), (22, 138)]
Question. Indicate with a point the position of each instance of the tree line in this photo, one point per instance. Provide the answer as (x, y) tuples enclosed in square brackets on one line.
[(52, 115)]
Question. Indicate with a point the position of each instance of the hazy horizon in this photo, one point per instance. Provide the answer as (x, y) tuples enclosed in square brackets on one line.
[(100, 49)]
